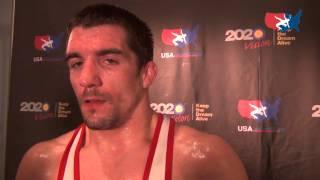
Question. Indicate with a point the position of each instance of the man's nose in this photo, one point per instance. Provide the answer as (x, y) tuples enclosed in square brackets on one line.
[(90, 76)]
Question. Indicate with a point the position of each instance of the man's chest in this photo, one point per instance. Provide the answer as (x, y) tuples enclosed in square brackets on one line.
[(129, 166)]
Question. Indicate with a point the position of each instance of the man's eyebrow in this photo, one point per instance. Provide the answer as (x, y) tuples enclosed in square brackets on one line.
[(71, 55), (109, 51), (98, 53)]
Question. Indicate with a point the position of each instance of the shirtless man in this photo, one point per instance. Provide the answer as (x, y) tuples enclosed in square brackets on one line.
[(109, 55)]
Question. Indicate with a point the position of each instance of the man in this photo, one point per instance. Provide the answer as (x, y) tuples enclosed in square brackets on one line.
[(109, 55)]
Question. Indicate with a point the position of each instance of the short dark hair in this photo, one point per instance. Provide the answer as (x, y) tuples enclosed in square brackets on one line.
[(139, 35)]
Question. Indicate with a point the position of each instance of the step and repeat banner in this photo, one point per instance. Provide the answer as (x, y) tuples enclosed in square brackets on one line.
[(247, 71)]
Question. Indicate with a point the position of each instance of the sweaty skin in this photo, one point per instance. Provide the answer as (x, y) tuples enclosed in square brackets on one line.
[(114, 101)]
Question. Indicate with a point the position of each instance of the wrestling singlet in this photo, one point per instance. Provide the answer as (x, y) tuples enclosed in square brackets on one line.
[(159, 160)]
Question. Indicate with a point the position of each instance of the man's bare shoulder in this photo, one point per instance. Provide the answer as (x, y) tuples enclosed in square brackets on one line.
[(206, 156), (49, 147), (43, 158), (190, 138)]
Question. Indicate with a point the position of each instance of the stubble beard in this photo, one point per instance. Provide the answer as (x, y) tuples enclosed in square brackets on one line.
[(102, 123), (93, 118)]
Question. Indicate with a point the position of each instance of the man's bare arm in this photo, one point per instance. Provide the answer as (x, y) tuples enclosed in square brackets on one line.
[(223, 163), (33, 164), (41, 161)]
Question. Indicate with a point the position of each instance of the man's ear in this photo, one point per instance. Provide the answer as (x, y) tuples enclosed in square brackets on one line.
[(149, 73)]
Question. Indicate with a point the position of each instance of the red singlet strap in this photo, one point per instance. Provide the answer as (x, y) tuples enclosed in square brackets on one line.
[(152, 147), (169, 155), (64, 158), (77, 154)]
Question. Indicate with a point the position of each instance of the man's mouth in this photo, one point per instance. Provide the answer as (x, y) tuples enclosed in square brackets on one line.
[(93, 102)]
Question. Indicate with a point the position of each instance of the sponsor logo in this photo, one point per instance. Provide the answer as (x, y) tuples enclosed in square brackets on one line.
[(43, 110), (202, 112), (177, 111), (258, 110), (180, 38), (168, 108), (261, 111), (315, 111), (257, 44), (34, 106), (244, 34), (48, 44), (182, 112), (254, 38), (63, 110), (250, 128), (283, 23)]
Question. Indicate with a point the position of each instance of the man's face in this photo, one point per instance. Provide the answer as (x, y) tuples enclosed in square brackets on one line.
[(103, 74)]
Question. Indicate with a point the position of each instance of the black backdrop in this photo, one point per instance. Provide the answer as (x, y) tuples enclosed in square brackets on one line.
[(227, 64)]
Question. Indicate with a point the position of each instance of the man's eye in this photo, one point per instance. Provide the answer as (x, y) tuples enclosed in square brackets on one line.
[(110, 61), (75, 64)]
